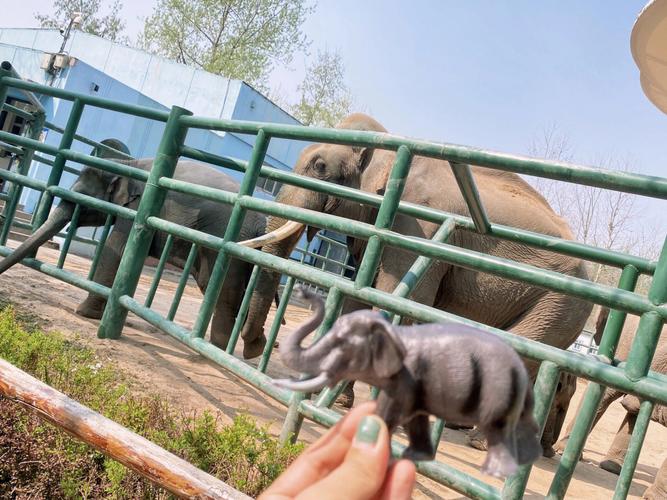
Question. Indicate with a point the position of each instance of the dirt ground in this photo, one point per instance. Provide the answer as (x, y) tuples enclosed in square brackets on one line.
[(160, 363)]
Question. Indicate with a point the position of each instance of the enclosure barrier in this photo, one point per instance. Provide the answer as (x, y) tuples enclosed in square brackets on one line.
[(142, 456), (632, 377)]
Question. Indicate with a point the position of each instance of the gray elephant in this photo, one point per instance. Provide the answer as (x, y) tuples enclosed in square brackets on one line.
[(614, 458), (455, 372), (197, 213), (525, 310)]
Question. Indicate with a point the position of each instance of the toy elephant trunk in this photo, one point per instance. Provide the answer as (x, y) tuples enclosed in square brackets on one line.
[(305, 360)]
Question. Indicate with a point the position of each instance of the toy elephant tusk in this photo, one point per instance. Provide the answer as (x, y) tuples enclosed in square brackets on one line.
[(279, 234), (309, 385)]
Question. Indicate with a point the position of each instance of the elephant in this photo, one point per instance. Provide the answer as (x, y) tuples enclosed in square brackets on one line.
[(658, 490), (186, 210), (455, 372), (520, 308), (613, 460)]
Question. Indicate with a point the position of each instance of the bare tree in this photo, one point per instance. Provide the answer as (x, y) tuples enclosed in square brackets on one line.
[(606, 219)]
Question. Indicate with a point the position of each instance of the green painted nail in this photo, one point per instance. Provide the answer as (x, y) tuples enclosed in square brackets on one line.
[(368, 430)]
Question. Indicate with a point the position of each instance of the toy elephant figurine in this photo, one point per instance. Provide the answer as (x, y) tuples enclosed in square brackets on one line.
[(455, 372)]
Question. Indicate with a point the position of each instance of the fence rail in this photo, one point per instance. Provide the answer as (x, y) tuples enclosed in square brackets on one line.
[(632, 377), (142, 456)]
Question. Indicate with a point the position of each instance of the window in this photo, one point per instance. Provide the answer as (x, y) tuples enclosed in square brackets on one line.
[(268, 186)]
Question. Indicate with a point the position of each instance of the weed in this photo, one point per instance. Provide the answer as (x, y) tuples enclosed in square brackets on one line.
[(39, 461)]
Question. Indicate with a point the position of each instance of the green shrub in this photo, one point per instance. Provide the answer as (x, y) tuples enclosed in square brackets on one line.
[(40, 461)]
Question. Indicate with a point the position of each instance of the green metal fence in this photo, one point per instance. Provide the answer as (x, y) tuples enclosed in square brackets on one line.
[(632, 377)]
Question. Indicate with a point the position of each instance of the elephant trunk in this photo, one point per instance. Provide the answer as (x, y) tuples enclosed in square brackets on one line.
[(269, 280), (58, 220)]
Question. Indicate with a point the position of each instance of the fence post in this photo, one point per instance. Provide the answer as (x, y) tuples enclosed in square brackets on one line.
[(35, 129), (593, 395), (141, 235), (294, 418), (44, 207), (222, 261)]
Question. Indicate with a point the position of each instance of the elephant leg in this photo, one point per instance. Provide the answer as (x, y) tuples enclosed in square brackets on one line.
[(227, 308), (229, 300), (609, 396), (613, 460), (222, 323), (93, 305), (658, 490), (421, 447)]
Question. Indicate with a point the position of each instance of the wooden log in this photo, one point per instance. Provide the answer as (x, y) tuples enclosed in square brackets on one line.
[(142, 456)]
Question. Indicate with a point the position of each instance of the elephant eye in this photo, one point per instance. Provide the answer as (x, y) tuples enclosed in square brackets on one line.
[(320, 166)]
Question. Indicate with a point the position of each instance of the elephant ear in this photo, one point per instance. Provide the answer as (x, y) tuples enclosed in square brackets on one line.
[(122, 191), (387, 349), (362, 157)]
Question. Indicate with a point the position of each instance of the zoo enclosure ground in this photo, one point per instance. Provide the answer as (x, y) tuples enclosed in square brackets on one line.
[(190, 382)]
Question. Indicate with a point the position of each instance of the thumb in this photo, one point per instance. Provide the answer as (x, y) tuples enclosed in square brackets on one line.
[(363, 471)]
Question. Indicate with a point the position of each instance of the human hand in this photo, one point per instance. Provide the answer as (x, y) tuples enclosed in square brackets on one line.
[(349, 461)]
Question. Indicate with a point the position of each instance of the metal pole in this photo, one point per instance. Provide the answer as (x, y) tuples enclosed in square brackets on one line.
[(231, 234), (294, 418), (35, 130), (141, 235), (593, 395), (42, 212), (634, 449)]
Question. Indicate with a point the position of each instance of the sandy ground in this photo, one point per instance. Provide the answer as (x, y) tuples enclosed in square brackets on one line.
[(160, 363)]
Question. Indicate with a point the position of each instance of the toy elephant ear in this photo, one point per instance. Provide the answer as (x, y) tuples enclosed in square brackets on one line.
[(122, 191), (387, 349)]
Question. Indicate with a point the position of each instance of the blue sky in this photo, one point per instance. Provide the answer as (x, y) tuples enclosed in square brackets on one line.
[(483, 73)]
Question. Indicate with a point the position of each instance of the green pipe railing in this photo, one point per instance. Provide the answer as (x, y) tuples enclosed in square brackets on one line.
[(632, 377), (185, 276), (558, 245)]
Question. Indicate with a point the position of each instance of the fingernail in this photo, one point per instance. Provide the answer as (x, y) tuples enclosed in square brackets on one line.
[(368, 430)]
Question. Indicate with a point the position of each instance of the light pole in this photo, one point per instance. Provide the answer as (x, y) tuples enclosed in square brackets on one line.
[(74, 22)]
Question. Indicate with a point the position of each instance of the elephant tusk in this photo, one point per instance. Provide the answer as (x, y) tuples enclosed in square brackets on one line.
[(287, 229), (309, 385)]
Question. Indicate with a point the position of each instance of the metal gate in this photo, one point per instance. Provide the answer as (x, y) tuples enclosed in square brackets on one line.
[(632, 377)]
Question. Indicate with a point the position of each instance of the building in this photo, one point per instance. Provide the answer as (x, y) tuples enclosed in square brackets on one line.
[(95, 66), (114, 71)]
